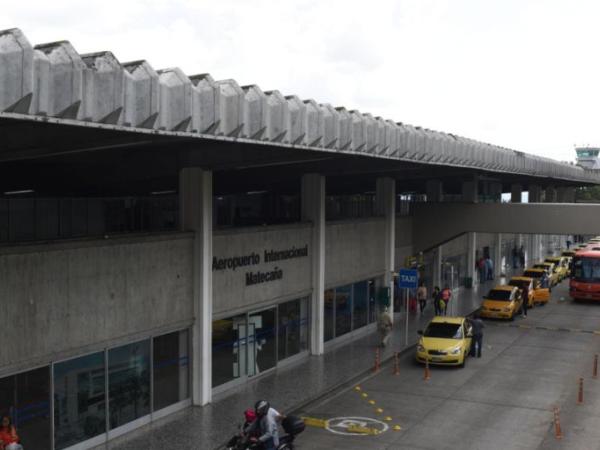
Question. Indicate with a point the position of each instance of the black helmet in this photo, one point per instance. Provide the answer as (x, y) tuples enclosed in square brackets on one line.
[(261, 408)]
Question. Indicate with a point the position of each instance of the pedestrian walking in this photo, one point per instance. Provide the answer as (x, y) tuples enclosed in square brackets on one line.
[(525, 302), (515, 256), (422, 296), (436, 296), (481, 269), (446, 295), (489, 268), (477, 332), (385, 327), (522, 257)]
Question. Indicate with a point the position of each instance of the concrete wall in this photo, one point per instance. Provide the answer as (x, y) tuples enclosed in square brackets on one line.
[(59, 299), (404, 236), (231, 294), (354, 251)]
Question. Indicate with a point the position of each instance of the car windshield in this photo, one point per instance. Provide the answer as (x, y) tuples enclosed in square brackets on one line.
[(444, 330), (520, 283), (532, 274), (499, 294), (586, 269)]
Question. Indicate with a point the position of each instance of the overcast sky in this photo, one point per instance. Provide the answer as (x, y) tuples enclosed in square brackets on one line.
[(524, 74)]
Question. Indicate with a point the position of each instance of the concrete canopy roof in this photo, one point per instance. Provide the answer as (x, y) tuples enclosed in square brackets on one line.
[(54, 84)]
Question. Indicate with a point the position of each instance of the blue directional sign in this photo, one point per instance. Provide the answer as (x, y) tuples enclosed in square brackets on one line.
[(408, 278)]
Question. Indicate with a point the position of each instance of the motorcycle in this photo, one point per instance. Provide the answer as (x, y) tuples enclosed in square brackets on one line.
[(292, 425)]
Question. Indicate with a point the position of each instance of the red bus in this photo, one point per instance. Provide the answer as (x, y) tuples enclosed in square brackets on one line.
[(585, 275)]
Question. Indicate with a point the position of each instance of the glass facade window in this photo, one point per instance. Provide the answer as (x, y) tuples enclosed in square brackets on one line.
[(249, 344), (292, 328), (329, 314), (228, 349), (25, 397), (128, 383), (349, 308), (171, 362), (361, 305), (262, 343), (343, 310), (79, 400)]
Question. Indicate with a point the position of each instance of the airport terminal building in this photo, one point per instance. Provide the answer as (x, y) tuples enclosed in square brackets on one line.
[(165, 238)]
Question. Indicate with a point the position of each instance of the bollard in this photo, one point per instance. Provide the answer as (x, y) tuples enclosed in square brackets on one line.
[(396, 364), (595, 372), (427, 375), (377, 361), (580, 395), (557, 430)]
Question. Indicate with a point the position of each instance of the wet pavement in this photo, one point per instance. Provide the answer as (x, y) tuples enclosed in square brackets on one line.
[(210, 426), (504, 400)]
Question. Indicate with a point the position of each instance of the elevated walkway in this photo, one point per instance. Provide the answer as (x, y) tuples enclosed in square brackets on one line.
[(437, 223)]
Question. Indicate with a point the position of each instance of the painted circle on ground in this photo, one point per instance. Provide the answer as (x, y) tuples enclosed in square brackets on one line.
[(340, 425)]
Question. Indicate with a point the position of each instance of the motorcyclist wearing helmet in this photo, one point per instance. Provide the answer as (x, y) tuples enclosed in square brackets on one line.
[(265, 425)]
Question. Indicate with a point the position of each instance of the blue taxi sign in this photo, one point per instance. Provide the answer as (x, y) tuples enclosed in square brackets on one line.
[(408, 278)]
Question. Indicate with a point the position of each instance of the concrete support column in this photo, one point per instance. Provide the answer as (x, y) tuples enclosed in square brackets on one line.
[(550, 196), (434, 190), (385, 195), (516, 193), (535, 193), (498, 269), (195, 193), (470, 190), (471, 247), (437, 267), (313, 210)]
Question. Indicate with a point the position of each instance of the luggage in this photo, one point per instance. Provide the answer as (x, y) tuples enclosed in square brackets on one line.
[(293, 425), (412, 305)]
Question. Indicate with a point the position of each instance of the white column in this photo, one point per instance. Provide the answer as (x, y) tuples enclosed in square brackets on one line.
[(471, 247), (386, 205), (195, 193), (313, 210), (498, 255)]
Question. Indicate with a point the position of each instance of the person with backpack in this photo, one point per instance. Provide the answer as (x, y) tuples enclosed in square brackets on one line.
[(446, 295)]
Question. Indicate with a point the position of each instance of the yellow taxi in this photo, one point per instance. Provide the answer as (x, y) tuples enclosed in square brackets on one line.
[(446, 341), (522, 283), (561, 266), (550, 270), (568, 255), (541, 294), (502, 302)]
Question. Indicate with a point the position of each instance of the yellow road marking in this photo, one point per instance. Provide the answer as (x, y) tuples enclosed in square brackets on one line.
[(363, 430), (312, 422)]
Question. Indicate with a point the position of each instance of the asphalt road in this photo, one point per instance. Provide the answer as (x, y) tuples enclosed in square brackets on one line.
[(504, 400)]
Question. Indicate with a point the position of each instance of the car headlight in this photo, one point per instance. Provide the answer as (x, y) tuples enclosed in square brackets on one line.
[(455, 351), (420, 349)]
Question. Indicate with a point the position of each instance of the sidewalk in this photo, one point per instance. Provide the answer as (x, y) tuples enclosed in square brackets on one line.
[(287, 388)]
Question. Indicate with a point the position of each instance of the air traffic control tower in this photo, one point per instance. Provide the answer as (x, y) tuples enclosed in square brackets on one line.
[(587, 157)]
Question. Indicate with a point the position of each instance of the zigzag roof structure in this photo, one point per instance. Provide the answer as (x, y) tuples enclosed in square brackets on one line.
[(53, 82)]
